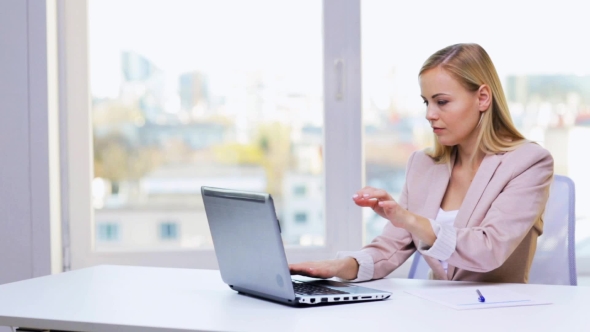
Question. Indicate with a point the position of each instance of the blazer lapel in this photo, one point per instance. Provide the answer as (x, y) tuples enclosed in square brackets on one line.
[(485, 172), (481, 180), (439, 180)]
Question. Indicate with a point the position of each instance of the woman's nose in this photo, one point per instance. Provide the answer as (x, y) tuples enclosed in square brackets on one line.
[(431, 114)]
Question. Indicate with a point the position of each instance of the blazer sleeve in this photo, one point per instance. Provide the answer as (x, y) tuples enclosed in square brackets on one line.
[(511, 216), (393, 247)]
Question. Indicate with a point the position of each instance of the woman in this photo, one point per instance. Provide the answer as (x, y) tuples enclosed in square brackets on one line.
[(473, 204)]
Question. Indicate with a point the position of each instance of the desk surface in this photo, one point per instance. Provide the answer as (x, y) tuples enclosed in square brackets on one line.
[(125, 298)]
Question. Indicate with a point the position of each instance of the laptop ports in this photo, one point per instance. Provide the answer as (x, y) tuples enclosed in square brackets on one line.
[(345, 299), (355, 297), (312, 300), (324, 299), (336, 299)]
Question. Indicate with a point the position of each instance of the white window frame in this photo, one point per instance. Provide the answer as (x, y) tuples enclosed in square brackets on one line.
[(343, 144)]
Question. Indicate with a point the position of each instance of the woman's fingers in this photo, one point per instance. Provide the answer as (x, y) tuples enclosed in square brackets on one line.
[(311, 269), (299, 268), (365, 193), (388, 206), (370, 192), (364, 202), (379, 194), (369, 196)]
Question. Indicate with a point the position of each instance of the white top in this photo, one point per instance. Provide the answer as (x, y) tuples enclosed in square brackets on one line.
[(134, 299), (442, 248)]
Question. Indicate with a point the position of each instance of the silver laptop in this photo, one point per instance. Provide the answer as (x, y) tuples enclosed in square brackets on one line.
[(247, 241)]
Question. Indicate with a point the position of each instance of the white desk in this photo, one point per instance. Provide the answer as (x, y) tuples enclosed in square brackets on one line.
[(124, 298)]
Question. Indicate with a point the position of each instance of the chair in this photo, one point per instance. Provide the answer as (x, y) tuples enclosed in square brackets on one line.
[(419, 268), (555, 258)]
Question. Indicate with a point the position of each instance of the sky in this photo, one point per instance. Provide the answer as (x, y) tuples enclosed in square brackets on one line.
[(522, 37), (214, 36)]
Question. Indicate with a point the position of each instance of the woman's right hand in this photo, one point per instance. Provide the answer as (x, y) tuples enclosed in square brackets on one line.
[(345, 268)]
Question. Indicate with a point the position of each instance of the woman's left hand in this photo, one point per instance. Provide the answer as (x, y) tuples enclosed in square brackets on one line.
[(384, 205)]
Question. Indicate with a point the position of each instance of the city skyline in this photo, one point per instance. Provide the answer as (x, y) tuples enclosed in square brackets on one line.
[(239, 62)]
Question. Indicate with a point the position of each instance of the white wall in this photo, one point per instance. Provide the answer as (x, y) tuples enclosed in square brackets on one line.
[(15, 213), (29, 170)]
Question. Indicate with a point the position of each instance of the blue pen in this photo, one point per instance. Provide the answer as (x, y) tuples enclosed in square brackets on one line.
[(480, 298)]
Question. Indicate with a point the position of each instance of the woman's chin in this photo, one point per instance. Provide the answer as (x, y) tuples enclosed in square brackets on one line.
[(446, 142)]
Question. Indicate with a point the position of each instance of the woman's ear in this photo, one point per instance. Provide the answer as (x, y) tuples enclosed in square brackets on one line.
[(484, 95)]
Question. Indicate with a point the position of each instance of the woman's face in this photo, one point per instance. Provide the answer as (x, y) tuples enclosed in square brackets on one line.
[(452, 110)]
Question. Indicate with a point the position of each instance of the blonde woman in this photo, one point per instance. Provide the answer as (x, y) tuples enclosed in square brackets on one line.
[(472, 205)]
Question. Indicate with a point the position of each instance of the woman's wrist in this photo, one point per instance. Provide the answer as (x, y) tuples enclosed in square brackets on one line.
[(348, 268), (421, 228)]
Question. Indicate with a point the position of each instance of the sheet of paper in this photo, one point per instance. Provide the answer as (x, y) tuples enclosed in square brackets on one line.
[(462, 298)]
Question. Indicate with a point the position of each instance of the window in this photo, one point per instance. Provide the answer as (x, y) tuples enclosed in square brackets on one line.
[(301, 217), (206, 99), (396, 39), (299, 190), (169, 231), (174, 109), (108, 232)]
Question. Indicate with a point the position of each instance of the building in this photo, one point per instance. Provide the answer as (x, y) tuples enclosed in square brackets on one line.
[(167, 212)]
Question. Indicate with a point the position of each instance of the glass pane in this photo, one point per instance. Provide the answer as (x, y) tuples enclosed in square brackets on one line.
[(538, 55), (204, 93)]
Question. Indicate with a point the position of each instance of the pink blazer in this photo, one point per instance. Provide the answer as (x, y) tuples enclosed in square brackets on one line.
[(497, 224)]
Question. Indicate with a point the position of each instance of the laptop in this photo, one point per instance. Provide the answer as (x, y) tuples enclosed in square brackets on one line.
[(247, 240)]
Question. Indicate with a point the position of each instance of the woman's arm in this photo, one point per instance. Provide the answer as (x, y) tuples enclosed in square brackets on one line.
[(376, 260), (394, 245)]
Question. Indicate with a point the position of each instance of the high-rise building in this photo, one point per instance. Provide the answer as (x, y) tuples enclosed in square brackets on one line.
[(193, 89), (136, 67)]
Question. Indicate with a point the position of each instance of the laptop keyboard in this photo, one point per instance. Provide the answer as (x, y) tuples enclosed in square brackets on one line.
[(309, 289)]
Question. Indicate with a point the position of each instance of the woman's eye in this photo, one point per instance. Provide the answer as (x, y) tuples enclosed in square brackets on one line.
[(442, 102), (425, 102)]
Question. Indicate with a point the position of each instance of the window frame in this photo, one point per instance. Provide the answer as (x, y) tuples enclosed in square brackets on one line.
[(342, 144)]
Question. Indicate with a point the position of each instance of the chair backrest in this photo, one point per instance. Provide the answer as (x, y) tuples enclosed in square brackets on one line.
[(419, 268), (555, 258)]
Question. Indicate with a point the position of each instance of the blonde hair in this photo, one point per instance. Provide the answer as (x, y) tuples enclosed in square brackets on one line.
[(472, 67)]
